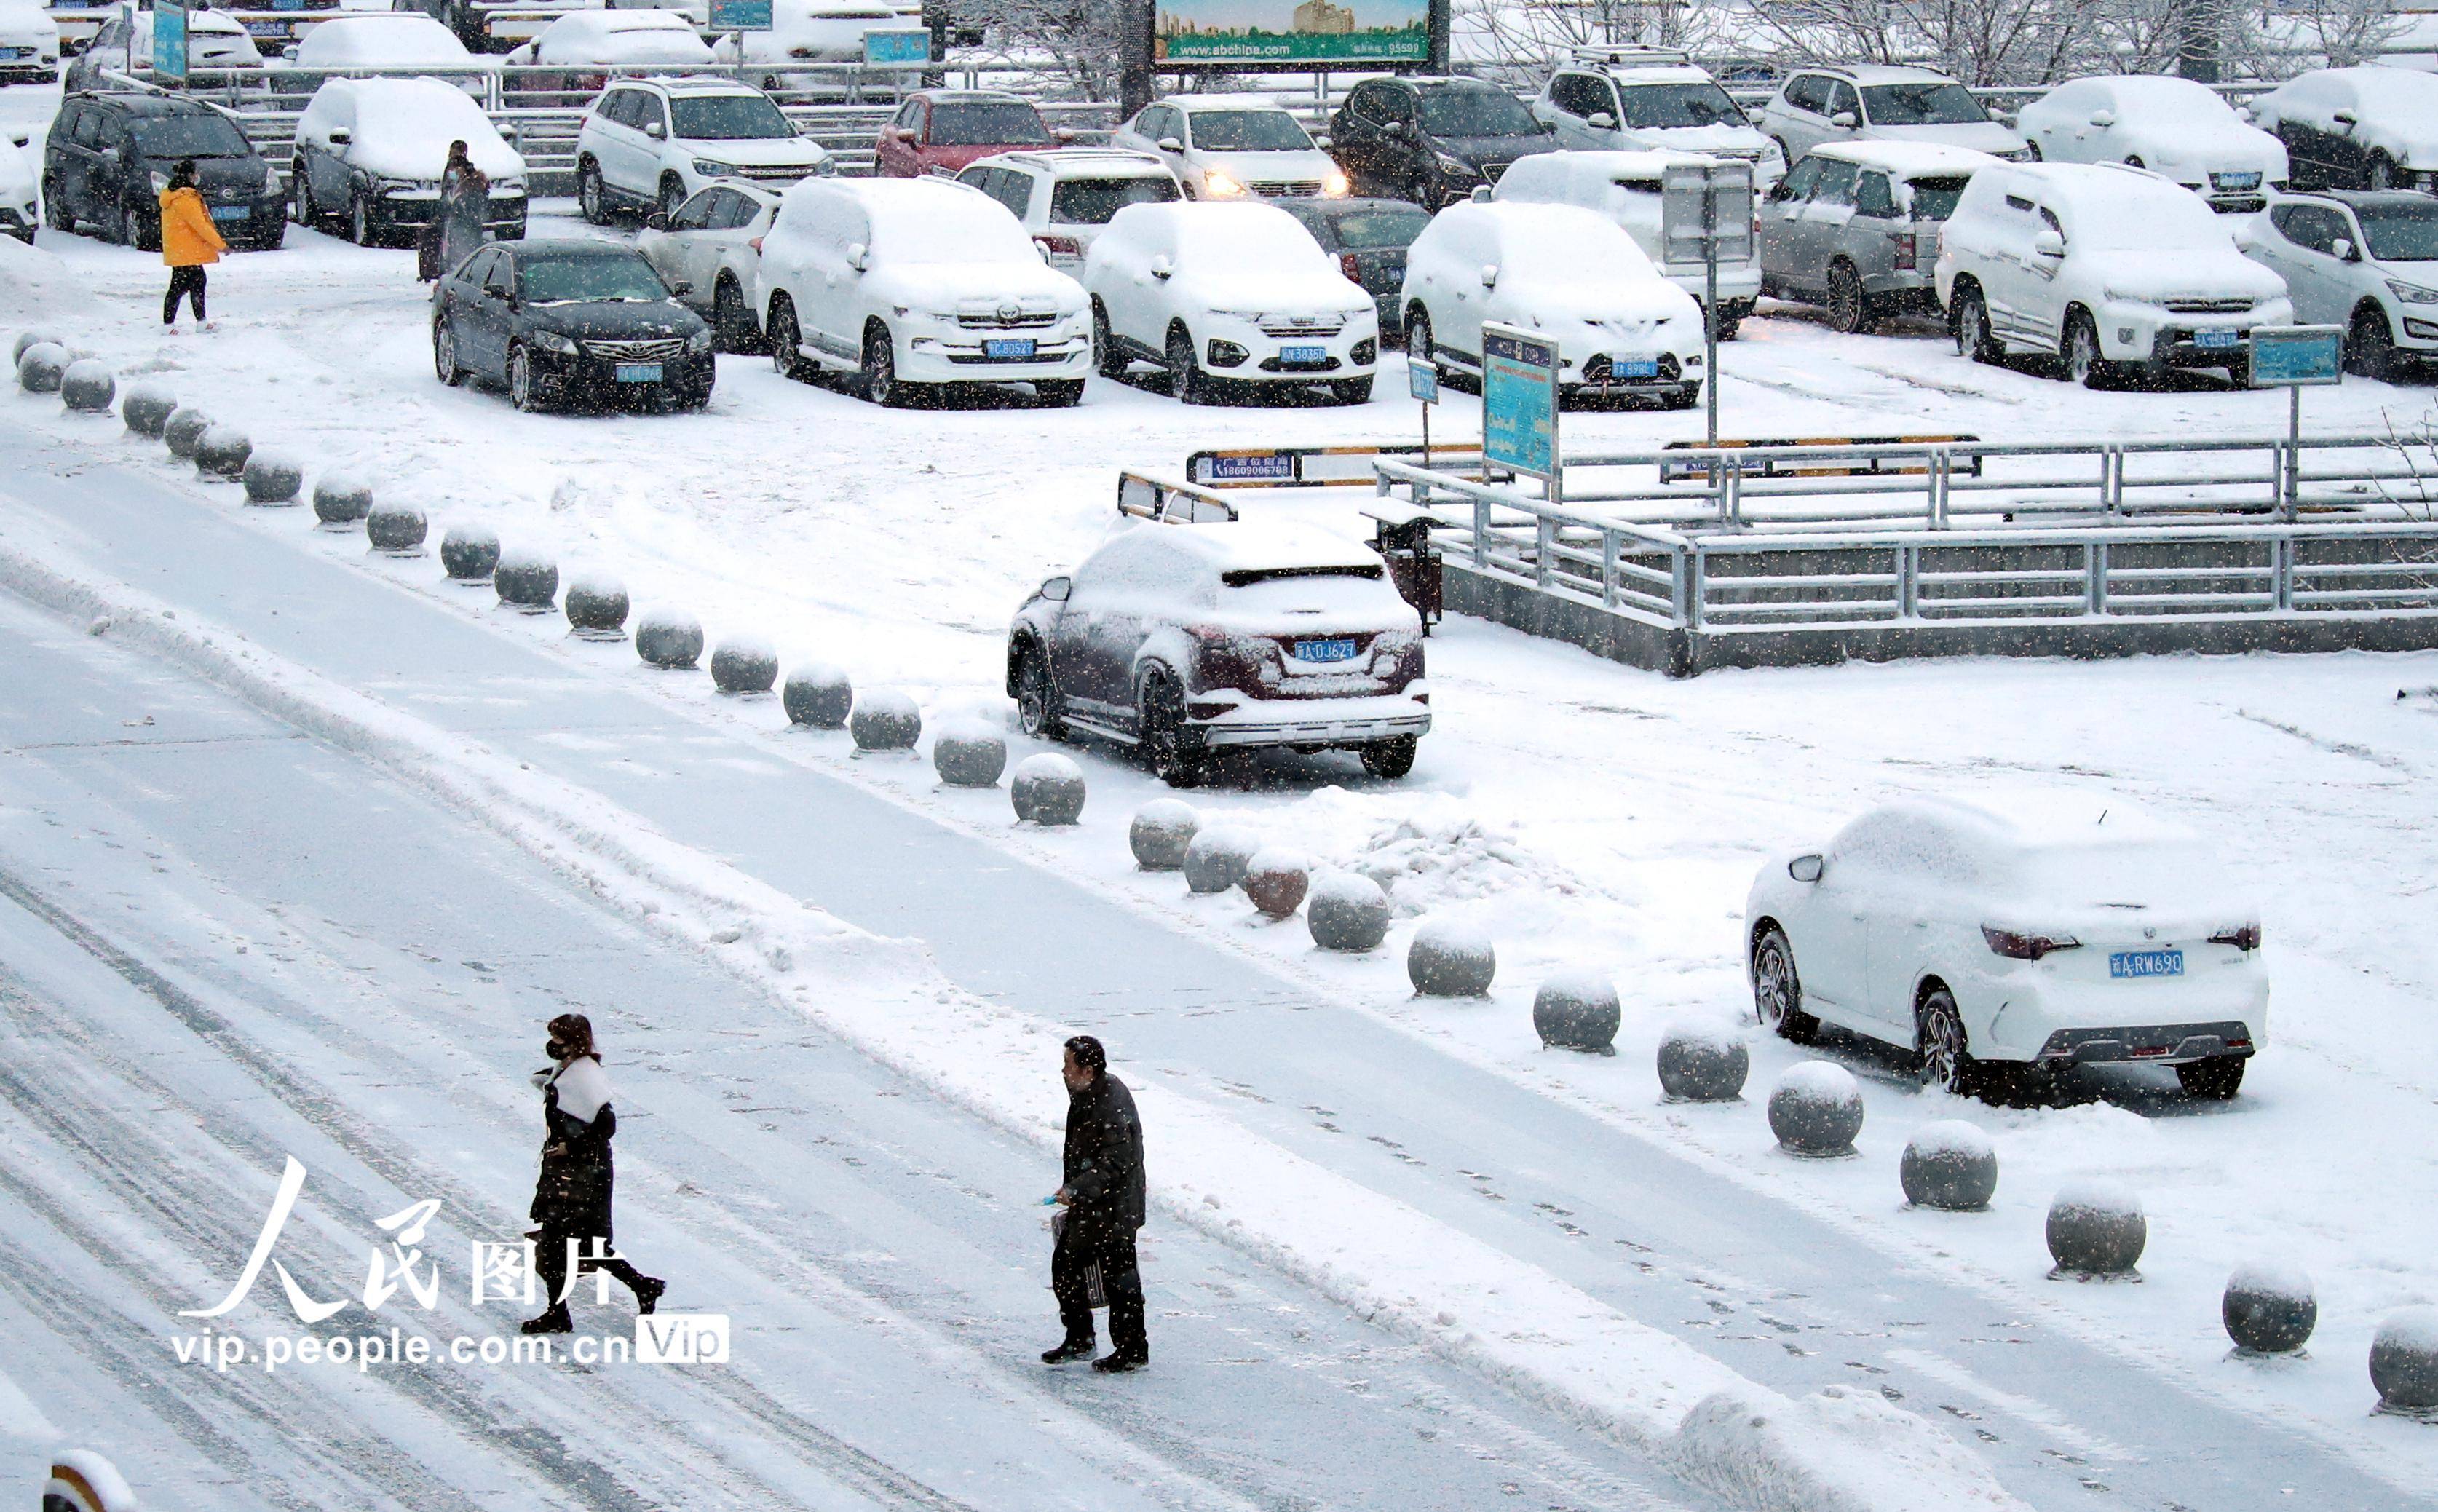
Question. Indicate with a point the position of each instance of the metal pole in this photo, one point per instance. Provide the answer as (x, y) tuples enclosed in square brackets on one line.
[(1426, 438), (1710, 306), (2293, 450)]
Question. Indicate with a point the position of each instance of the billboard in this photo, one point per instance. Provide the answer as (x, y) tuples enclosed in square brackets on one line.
[(1291, 31)]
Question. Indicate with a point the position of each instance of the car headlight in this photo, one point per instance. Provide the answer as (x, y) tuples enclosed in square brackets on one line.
[(699, 341), (712, 169), (270, 179), (1221, 184), (1337, 183), (2412, 295), (510, 186), (1233, 314), (553, 342), (1453, 165), (159, 180), (2118, 296)]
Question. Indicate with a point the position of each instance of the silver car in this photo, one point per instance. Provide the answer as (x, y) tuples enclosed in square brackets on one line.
[(1855, 227), (2366, 259), (1879, 103)]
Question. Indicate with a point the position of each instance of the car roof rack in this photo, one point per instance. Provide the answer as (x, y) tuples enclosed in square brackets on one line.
[(1619, 54)]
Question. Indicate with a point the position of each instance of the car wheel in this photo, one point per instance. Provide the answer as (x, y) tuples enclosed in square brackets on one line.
[(1060, 394), (1349, 391), (1389, 760), (1971, 323), (1778, 992), (2034, 150), (1106, 360), (123, 230), (1729, 326), (1174, 753), (2083, 364), (880, 376), (1683, 398), (673, 195), (300, 196), (445, 363), (359, 220), (592, 201), (2382, 171), (1849, 310), (2216, 1079), (1037, 707), (786, 339), (1185, 380), (524, 384), (2133, 160), (1418, 336), (2371, 349), (1946, 1064), (54, 209), (732, 324)]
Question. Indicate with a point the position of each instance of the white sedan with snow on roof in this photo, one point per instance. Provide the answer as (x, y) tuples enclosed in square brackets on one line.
[(1994, 933)]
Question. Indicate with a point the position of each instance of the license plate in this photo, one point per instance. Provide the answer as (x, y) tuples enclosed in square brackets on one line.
[(1635, 367), (2132, 963), (2237, 181), (16, 52), (639, 372), (1303, 354), (1008, 346), (230, 212), (2218, 341), (267, 28), (1324, 650)]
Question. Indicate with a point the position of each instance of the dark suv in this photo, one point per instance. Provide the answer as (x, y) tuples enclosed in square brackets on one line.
[(109, 155), (1431, 140), (1183, 640)]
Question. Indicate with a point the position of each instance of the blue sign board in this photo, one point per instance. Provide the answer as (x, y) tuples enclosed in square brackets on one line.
[(1254, 466), (1423, 380), (170, 41), (1519, 400), (740, 15), (883, 49), (2287, 356)]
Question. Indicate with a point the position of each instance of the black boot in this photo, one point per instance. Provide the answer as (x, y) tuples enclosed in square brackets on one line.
[(552, 1320), (647, 1292), (1119, 1364), (1072, 1349)]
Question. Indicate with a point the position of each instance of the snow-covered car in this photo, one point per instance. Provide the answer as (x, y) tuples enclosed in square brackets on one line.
[(371, 151), (803, 32), (585, 44), (497, 25), (20, 213), (1640, 100), (1369, 238), (562, 322), (398, 39), (1625, 188), (1432, 139), (2175, 128), (911, 284), (941, 130), (1998, 932), (1185, 641), (215, 44), (2366, 259), (654, 143), (1065, 196), (2111, 267), (2367, 127), (1223, 296), (1224, 146), (29, 43), (712, 249), (1882, 103), (1566, 273), (1854, 227)]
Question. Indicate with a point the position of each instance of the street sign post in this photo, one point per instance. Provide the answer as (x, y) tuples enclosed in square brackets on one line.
[(1519, 403), (1422, 382), (736, 18), (1705, 217), (2294, 357), (170, 41)]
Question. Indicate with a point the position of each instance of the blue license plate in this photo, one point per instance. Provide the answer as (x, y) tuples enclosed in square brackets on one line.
[(2218, 341), (2132, 963), (1015, 347), (639, 372), (1324, 650), (1635, 367), (16, 52), (230, 212), (2238, 180), (1306, 355)]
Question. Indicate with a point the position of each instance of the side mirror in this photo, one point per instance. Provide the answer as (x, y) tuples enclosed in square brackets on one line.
[(341, 137), (1321, 141), (2103, 119), (655, 130), (1394, 128), (1601, 121), (1483, 194), (680, 288), (858, 257), (1161, 266), (1170, 144), (1843, 120), (657, 221), (1063, 133), (1057, 588), (1489, 275), (2346, 121), (2343, 250), (2048, 245), (1806, 868)]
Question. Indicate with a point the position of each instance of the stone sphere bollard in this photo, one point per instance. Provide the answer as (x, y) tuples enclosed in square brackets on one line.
[(339, 499), (1276, 879), (1451, 959), (669, 640), (2096, 1229), (969, 753), (183, 431), (1215, 859), (885, 720), (2404, 1361), (1578, 1011), (1348, 911), (222, 453), (1048, 789), (526, 580), (1703, 1063), (146, 408), (88, 386), (596, 608), (1948, 1165), (2268, 1309), (27, 341), (1162, 830), (272, 478), (397, 529), (470, 554), (41, 366), (1816, 1109), (819, 695), (744, 665)]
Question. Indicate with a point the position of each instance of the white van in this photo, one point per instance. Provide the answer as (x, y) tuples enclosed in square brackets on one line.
[(1624, 186)]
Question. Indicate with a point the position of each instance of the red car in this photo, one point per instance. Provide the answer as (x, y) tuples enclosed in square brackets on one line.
[(1183, 640), (945, 129)]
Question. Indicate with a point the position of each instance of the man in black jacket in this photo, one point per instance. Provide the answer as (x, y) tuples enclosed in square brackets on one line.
[(1103, 1193)]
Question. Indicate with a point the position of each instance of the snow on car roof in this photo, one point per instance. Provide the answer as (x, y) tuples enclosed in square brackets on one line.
[(695, 84), (1265, 546), (1241, 101), (576, 26), (1906, 158), (404, 126), (405, 36), (2031, 818), (2393, 88), (1864, 74), (2158, 87), (1629, 73)]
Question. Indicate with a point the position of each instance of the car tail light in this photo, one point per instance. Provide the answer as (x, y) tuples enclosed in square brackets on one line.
[(2016, 946), (800, 52), (1905, 250), (1351, 265), (1060, 246), (2246, 937), (756, 244)]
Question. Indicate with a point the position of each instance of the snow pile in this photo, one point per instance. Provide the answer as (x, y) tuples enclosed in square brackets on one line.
[(1843, 1451)]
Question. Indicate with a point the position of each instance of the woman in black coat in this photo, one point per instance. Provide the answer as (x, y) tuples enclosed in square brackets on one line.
[(570, 1202)]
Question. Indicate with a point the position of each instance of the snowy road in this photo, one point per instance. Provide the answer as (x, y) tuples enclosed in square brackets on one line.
[(1786, 1298)]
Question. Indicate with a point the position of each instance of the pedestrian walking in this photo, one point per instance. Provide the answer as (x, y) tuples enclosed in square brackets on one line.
[(570, 1202), (465, 204), (1101, 1189), (189, 243)]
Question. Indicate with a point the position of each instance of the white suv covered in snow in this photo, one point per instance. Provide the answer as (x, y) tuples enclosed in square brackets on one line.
[(653, 143), (2366, 259), (1222, 294), (1624, 186), (1649, 99), (2175, 128), (1569, 273), (2111, 268), (909, 284)]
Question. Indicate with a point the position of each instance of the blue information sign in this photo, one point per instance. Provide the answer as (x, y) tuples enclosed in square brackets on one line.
[(1422, 379), (170, 41), (2297, 355), (882, 50), (740, 15), (1519, 400)]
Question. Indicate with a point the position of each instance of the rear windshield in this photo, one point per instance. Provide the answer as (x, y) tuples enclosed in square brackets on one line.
[(559, 280), (2401, 233), (1012, 122), (1657, 107), (1249, 576), (1943, 103), (1248, 132), (1479, 111), (1362, 229), (1934, 199), (1091, 201), (729, 118), (182, 135)]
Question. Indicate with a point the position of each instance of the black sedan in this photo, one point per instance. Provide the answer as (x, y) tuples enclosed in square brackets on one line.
[(1431, 140), (567, 323), (110, 154), (1369, 238)]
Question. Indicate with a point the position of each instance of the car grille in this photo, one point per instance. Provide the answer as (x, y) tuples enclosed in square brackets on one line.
[(1002, 321), (2208, 307), (1291, 329), (659, 349), (789, 172), (1289, 189)]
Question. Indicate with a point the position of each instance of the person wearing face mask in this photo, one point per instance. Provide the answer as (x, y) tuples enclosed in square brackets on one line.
[(571, 1202)]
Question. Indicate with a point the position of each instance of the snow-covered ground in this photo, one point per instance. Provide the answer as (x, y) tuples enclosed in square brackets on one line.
[(1583, 813)]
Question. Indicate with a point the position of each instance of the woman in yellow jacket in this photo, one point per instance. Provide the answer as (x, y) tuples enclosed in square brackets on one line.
[(189, 241)]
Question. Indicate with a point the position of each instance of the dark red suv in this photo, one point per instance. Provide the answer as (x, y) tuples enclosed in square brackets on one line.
[(945, 129), (1187, 640)]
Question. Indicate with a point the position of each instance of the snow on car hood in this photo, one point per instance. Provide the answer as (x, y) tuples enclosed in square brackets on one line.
[(1631, 308), (941, 287), (1702, 138), (1271, 167), (1982, 136), (758, 152), (1278, 292), (2225, 146), (2187, 273)]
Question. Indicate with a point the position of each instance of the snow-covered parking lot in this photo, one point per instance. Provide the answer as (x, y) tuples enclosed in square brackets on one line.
[(1583, 813)]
